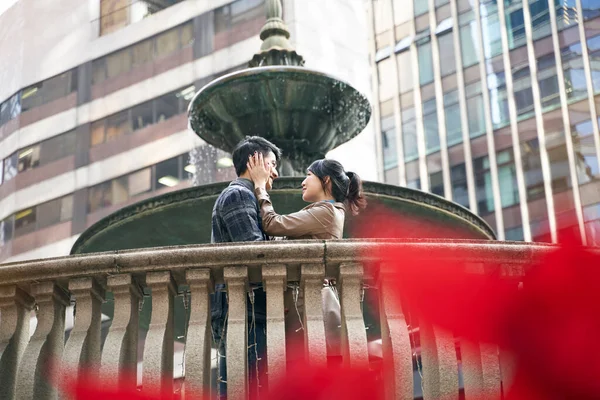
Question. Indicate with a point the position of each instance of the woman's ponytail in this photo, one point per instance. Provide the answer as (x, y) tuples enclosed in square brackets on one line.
[(355, 199)]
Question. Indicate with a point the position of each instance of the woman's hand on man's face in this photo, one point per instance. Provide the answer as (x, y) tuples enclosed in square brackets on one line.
[(259, 171)]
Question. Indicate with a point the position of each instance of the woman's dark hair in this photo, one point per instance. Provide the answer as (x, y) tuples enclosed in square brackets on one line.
[(249, 146), (346, 187)]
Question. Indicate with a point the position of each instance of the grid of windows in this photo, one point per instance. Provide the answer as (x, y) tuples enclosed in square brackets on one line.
[(481, 40)]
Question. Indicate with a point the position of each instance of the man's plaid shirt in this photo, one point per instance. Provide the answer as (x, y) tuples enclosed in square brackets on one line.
[(235, 216)]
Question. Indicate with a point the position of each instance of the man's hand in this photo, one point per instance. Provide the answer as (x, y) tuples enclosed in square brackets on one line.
[(260, 172)]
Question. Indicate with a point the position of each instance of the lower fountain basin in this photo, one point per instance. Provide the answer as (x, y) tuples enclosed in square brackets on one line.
[(184, 217)]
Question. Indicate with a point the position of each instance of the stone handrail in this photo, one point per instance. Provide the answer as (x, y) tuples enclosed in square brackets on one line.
[(49, 286)]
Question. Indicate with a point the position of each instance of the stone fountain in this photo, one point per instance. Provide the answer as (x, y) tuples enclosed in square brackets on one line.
[(306, 113)]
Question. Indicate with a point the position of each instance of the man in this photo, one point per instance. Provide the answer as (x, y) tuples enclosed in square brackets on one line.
[(236, 218)]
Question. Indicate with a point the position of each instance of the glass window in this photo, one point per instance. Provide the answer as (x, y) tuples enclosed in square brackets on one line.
[(49, 90), (167, 43), (575, 83), (409, 134), (118, 63), (107, 194), (548, 81), (167, 173), (458, 177), (523, 91), (453, 121), (97, 132), (566, 13), (10, 108), (420, 7), (385, 74), (139, 182), (447, 60), (436, 183), (187, 34), (475, 112), (514, 234), (57, 147), (532, 169), (591, 215), (388, 139), (117, 125), (507, 178), (246, 10), (1, 172), (498, 99), (425, 62), (483, 185), (515, 24), (405, 71), (167, 106), (469, 44), (590, 8), (222, 19), (114, 15), (98, 70), (142, 52), (540, 18), (490, 26), (142, 115), (25, 221), (6, 230), (55, 211), (430, 122), (594, 53), (558, 159), (10, 167), (29, 157), (586, 160)]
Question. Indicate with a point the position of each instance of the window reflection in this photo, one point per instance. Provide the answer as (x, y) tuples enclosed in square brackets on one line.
[(458, 177), (388, 138), (586, 160), (430, 123), (409, 134), (469, 44), (436, 183), (453, 120), (575, 83), (532, 169)]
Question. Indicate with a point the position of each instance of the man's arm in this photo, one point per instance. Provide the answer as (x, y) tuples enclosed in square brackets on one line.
[(239, 213)]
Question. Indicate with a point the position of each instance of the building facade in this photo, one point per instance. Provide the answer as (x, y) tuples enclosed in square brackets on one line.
[(94, 96), (494, 105)]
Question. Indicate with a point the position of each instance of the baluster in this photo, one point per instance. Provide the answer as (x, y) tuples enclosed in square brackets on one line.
[(274, 277), (159, 345), (15, 307), (440, 367), (83, 346), (46, 345), (396, 348), (354, 334), (120, 352), (236, 279), (314, 327), (198, 338), (481, 370)]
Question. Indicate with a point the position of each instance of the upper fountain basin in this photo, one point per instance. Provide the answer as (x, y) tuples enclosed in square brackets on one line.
[(304, 112)]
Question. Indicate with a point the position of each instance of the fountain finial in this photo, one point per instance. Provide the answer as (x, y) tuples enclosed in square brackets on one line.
[(276, 48)]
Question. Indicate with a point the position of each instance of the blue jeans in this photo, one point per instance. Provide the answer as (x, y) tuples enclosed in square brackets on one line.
[(257, 334)]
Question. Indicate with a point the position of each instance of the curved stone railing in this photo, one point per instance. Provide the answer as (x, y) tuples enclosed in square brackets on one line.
[(45, 288)]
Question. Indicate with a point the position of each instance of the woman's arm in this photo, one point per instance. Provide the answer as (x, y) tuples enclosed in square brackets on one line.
[(315, 220)]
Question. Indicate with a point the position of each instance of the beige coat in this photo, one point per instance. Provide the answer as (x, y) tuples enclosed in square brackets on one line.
[(320, 220)]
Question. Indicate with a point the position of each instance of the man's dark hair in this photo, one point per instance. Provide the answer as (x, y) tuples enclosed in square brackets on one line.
[(247, 147)]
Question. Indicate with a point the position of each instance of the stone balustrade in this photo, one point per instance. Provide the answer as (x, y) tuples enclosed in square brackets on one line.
[(46, 288)]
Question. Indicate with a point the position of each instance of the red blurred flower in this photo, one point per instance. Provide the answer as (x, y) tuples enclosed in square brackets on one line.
[(552, 325)]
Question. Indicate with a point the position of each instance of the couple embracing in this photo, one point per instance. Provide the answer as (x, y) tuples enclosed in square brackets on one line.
[(244, 212)]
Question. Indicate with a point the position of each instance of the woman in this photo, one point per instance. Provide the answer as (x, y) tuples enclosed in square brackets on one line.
[(329, 189)]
